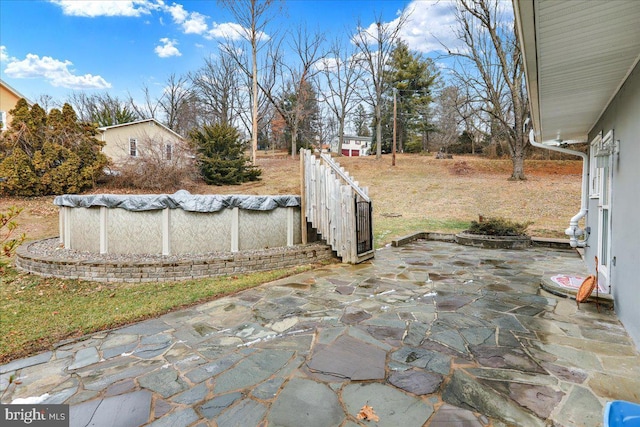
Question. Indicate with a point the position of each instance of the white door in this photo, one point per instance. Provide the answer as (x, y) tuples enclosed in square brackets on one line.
[(604, 217)]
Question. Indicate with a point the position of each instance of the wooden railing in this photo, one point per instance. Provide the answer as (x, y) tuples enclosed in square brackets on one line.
[(337, 207)]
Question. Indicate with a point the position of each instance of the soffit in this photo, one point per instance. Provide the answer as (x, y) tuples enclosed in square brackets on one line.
[(582, 53)]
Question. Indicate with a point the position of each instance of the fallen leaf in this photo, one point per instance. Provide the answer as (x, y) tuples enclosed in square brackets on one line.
[(367, 414)]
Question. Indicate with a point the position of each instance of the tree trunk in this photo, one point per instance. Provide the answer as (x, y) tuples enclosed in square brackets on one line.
[(254, 92), (378, 131), (340, 136), (517, 159), (294, 139)]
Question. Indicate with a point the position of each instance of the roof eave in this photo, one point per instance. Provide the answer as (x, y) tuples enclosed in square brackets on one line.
[(525, 32)]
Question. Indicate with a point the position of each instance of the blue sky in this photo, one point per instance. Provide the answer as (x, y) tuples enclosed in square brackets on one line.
[(55, 47)]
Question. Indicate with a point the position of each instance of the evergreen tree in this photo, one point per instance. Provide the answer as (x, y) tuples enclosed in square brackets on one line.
[(361, 121), (302, 104), (113, 115), (54, 154), (412, 77), (221, 155)]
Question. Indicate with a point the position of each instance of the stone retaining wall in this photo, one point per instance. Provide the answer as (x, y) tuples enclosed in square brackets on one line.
[(163, 270), (446, 237)]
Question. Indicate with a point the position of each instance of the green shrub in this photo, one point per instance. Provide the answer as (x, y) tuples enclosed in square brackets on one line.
[(7, 228), (44, 154), (413, 146), (221, 155), (498, 227)]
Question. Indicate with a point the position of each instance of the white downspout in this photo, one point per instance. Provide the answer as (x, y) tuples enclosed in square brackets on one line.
[(574, 231)]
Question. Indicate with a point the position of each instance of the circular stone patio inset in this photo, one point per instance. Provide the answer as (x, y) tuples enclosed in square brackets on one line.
[(493, 242), (551, 286)]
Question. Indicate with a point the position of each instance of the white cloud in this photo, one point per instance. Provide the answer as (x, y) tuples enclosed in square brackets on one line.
[(178, 13), (232, 31), (191, 22), (55, 71), (327, 64), (4, 55), (430, 26), (94, 8), (227, 30), (195, 24), (168, 48)]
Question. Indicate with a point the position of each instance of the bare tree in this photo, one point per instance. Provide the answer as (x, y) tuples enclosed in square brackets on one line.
[(217, 86), (47, 102), (253, 17), (496, 77), (83, 105), (102, 108), (286, 79), (473, 117), (341, 76), (448, 119), (149, 108), (307, 49), (178, 103), (375, 46)]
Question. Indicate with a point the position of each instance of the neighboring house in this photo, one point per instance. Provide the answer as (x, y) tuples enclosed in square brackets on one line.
[(353, 145), (9, 97), (149, 137), (583, 78)]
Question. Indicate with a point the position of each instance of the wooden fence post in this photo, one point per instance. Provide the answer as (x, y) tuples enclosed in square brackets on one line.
[(303, 197)]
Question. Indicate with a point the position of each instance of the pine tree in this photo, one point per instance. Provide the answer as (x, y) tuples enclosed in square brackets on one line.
[(361, 121), (221, 155), (413, 78)]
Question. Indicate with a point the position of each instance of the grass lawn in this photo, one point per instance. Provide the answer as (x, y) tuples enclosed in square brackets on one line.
[(420, 193), (38, 312)]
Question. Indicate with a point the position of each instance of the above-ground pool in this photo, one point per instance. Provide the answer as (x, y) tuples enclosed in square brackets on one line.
[(180, 223)]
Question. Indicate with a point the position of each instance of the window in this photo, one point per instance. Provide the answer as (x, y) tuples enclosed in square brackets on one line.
[(168, 152), (133, 147), (595, 173), (3, 120)]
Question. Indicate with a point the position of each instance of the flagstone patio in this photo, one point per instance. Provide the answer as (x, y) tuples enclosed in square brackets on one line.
[(427, 334)]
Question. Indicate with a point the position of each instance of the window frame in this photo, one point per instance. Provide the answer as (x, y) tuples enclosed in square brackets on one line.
[(133, 147), (168, 152), (595, 173)]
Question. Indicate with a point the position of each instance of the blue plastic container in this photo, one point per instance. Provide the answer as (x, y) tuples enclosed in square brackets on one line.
[(620, 413)]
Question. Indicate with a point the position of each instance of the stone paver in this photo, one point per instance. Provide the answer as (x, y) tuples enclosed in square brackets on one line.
[(428, 334)]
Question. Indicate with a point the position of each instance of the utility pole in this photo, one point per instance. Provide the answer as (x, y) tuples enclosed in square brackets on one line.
[(393, 149)]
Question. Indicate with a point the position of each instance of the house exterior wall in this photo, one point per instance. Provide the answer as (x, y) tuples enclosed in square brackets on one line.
[(354, 146), (623, 117), (8, 101), (117, 140)]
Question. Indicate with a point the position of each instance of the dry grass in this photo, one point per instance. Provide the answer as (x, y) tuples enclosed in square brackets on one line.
[(421, 188), (419, 193)]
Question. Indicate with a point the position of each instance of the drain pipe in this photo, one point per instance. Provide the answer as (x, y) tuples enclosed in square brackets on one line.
[(574, 231)]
